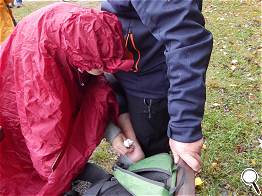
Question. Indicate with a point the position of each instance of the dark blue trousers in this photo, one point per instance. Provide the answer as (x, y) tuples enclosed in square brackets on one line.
[(150, 118)]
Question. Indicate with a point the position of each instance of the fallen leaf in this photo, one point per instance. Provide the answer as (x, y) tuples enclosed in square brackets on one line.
[(251, 96), (233, 67), (215, 104), (253, 162), (234, 62), (251, 79), (240, 148), (198, 181), (214, 164)]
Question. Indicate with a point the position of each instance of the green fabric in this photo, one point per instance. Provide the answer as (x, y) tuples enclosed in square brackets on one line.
[(173, 178), (138, 185), (160, 161)]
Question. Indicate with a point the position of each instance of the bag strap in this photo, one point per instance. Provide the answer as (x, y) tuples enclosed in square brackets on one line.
[(93, 174), (95, 189), (173, 189)]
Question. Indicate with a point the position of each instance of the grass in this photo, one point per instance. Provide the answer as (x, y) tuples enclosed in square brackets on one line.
[(232, 122)]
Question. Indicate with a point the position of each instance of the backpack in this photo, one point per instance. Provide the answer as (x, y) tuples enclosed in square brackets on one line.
[(155, 175)]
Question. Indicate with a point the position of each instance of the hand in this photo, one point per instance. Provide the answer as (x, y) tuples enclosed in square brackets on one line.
[(189, 152), (137, 154), (126, 126), (118, 145)]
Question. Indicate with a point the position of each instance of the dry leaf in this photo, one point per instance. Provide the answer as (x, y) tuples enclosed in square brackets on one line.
[(240, 148), (253, 162), (233, 67), (214, 164), (234, 62), (198, 181), (251, 79), (215, 104), (260, 141)]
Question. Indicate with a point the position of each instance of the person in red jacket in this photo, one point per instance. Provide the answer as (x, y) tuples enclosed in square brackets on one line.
[(53, 112)]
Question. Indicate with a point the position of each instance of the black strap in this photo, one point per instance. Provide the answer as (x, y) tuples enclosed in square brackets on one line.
[(92, 173), (177, 187), (95, 189)]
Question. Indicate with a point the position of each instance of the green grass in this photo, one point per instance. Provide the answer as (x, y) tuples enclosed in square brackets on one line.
[(232, 122), (32, 6)]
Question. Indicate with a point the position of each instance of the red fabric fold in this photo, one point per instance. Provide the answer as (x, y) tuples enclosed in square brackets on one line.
[(51, 123)]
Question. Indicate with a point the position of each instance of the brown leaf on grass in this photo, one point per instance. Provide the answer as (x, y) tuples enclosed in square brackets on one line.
[(214, 164), (251, 97), (215, 104), (240, 148), (253, 162)]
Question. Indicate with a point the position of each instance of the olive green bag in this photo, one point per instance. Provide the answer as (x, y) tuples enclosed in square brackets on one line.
[(155, 175)]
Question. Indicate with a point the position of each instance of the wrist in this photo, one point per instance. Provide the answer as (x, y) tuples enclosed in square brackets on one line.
[(111, 132)]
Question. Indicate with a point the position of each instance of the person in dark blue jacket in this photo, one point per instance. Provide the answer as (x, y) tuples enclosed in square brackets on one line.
[(166, 89)]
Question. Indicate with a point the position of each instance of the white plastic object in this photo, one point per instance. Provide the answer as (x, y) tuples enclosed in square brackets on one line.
[(128, 143)]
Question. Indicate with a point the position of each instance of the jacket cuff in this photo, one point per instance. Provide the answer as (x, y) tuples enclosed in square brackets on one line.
[(111, 132), (185, 134)]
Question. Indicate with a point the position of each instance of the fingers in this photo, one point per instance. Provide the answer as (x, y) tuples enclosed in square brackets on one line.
[(122, 150), (193, 160), (176, 157), (119, 147), (137, 154)]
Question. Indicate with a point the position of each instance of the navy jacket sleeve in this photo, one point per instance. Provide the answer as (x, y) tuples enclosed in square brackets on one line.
[(179, 24)]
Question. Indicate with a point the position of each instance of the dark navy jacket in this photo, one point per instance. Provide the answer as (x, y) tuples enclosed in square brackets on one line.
[(174, 49)]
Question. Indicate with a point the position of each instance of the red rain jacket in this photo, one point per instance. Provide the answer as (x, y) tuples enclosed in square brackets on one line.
[(51, 123)]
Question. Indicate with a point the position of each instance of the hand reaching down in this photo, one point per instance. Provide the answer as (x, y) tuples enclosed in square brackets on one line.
[(189, 152), (134, 153)]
